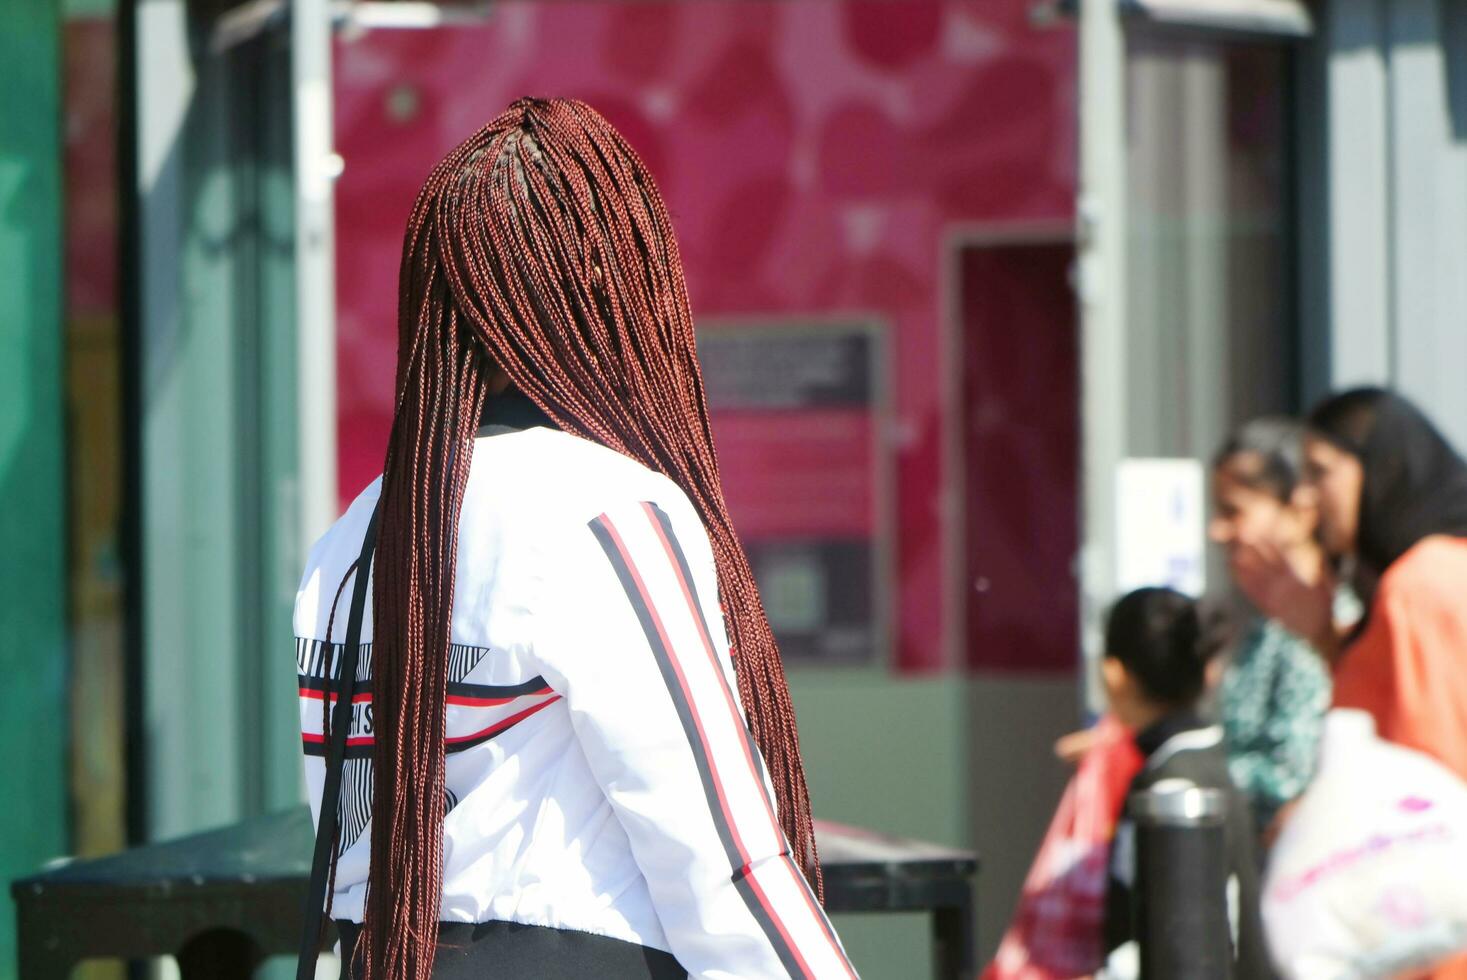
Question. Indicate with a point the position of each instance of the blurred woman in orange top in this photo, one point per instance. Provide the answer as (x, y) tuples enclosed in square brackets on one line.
[(1392, 500), (1393, 495)]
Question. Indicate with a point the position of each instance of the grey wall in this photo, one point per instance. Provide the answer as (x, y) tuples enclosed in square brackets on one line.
[(1013, 782), (964, 761), (1383, 119)]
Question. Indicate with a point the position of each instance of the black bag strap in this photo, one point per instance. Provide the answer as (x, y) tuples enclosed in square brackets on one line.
[(335, 756)]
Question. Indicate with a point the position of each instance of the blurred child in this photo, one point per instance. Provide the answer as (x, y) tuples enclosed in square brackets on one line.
[(1055, 933), (1154, 673)]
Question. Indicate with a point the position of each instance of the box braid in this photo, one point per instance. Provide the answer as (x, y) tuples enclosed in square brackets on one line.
[(542, 247)]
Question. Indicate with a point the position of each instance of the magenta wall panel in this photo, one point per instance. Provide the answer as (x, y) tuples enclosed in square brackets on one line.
[(816, 156)]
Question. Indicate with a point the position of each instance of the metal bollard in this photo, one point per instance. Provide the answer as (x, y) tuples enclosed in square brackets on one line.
[(1181, 883)]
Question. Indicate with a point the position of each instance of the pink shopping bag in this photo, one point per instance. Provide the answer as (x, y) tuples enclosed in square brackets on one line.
[(1055, 934)]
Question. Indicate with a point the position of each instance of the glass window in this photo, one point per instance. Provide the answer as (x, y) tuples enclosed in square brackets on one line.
[(1210, 291)]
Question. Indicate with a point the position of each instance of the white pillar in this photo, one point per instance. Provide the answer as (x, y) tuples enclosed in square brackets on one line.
[(316, 167), (1102, 301)]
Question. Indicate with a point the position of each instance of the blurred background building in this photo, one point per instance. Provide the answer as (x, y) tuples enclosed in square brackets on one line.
[(953, 263)]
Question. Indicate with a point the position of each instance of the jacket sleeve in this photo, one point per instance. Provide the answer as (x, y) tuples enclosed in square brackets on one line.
[(626, 626)]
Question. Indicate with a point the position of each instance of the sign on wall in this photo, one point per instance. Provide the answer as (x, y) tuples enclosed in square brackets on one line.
[(797, 415), (1160, 525)]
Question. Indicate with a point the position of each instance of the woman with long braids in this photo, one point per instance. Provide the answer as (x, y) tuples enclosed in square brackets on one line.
[(571, 750)]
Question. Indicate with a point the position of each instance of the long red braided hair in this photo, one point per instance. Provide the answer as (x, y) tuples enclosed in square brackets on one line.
[(540, 246)]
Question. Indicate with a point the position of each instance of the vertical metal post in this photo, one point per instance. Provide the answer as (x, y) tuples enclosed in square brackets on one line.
[(1358, 150), (316, 166), (222, 539), (1427, 198), (1101, 282), (1181, 884), (186, 373)]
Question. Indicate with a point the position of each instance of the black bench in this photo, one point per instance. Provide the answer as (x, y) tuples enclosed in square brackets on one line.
[(224, 900)]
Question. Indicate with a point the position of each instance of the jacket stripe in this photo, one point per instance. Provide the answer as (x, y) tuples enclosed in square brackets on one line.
[(462, 700), (317, 694), (460, 742), (312, 687), (360, 746), (676, 682), (662, 525)]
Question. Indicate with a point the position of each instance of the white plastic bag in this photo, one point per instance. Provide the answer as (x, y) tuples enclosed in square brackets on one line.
[(1369, 877)]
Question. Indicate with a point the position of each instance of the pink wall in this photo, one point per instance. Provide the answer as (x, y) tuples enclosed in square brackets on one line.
[(814, 154)]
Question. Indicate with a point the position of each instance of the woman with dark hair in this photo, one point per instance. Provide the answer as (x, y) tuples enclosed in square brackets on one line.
[(1274, 689), (1393, 501), (1393, 495), (561, 732)]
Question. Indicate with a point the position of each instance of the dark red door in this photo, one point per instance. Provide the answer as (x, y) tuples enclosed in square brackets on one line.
[(1020, 437)]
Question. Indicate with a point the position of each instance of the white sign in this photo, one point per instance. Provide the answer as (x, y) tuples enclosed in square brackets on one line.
[(1160, 525)]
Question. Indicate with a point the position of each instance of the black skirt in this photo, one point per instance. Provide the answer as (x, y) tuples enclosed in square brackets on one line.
[(508, 949)]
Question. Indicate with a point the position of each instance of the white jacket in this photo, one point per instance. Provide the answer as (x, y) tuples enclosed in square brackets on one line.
[(601, 775)]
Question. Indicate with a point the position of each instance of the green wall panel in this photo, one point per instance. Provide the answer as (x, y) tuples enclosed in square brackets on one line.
[(33, 648), (887, 754), (957, 759)]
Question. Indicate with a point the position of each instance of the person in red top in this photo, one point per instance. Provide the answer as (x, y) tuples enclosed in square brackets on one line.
[(1393, 502)]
